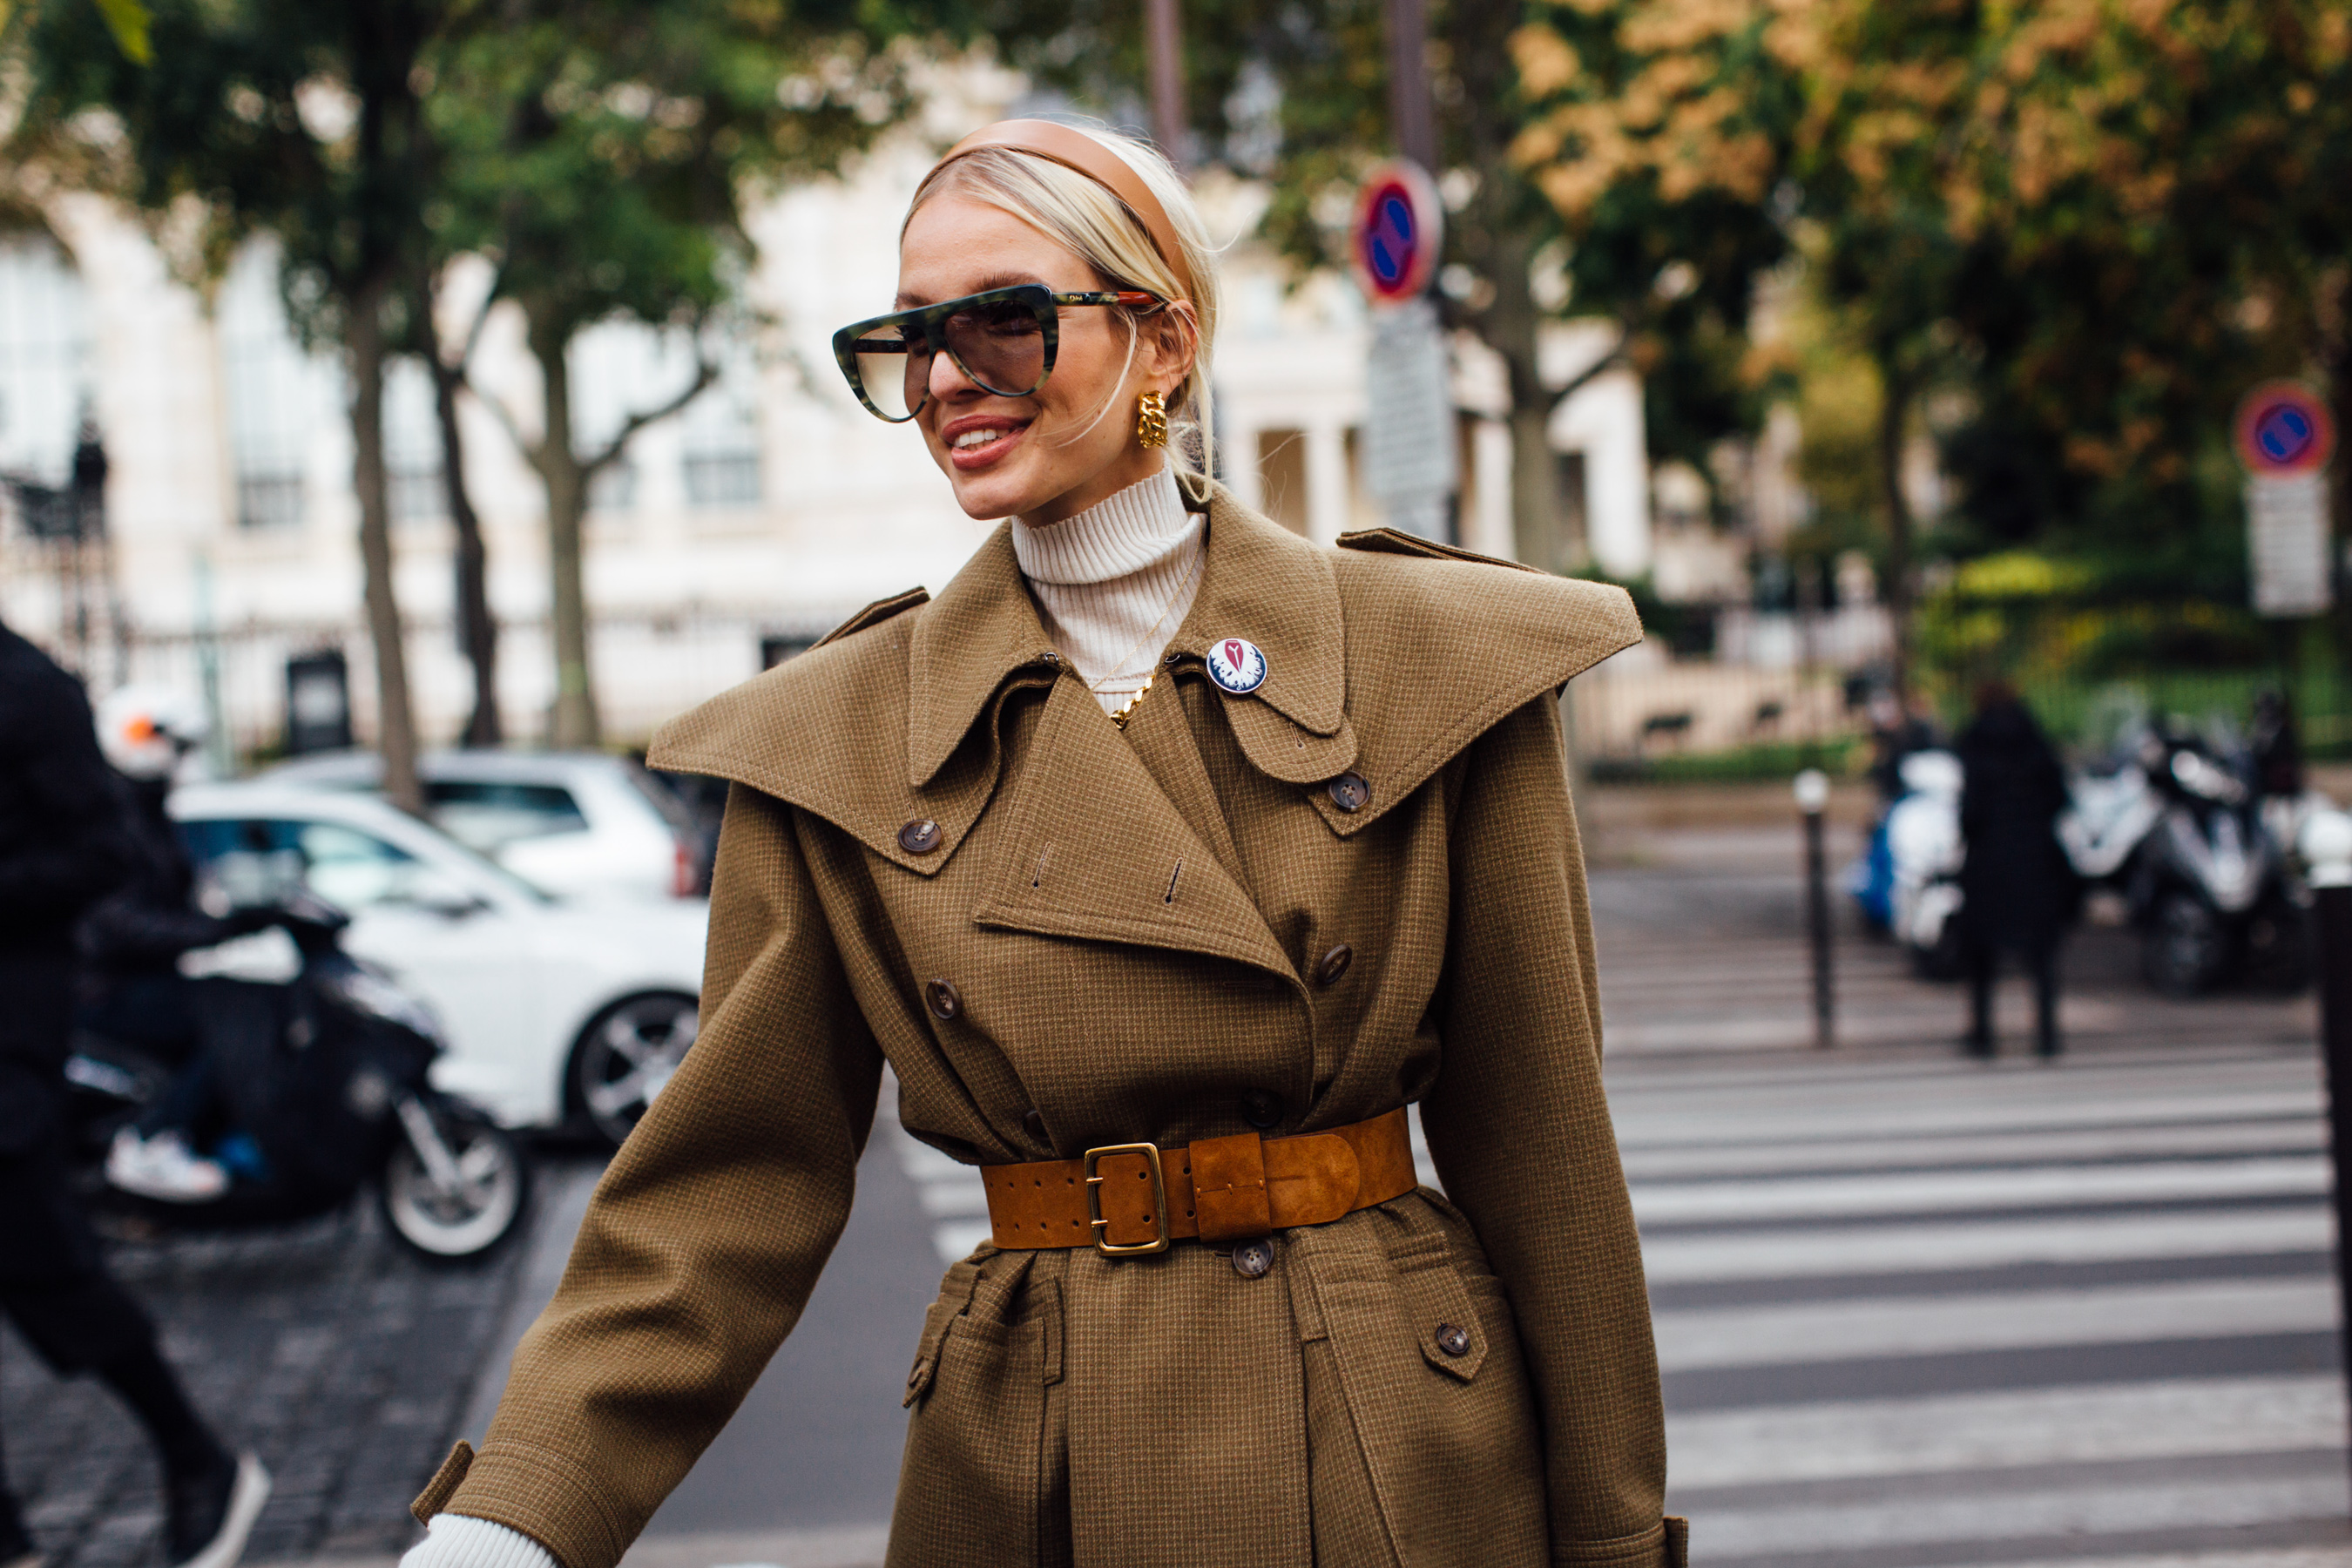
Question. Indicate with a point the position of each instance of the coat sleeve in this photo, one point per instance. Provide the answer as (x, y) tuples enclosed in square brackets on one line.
[(1519, 1129), (708, 1231)]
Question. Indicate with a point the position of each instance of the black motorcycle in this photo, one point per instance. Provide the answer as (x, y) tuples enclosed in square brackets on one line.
[(324, 1081)]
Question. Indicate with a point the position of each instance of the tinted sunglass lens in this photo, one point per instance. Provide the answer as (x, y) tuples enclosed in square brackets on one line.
[(891, 378), (1001, 345)]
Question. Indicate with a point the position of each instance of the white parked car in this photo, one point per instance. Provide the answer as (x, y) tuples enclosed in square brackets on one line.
[(557, 1011), (578, 823)]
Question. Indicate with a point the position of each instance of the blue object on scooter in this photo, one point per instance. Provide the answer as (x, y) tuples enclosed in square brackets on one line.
[(242, 1158), (1870, 880)]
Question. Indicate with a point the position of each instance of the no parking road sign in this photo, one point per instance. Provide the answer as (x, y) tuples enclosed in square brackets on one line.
[(2284, 428), (1400, 227), (2285, 437)]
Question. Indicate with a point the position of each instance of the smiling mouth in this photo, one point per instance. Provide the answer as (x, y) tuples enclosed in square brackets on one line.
[(981, 444)]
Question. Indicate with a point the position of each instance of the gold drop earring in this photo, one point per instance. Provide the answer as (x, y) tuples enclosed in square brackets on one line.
[(1151, 419)]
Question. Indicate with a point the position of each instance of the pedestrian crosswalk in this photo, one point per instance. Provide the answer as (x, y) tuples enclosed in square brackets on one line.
[(1914, 1311)]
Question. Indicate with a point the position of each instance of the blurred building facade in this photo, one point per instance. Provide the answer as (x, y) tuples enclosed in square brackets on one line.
[(769, 508)]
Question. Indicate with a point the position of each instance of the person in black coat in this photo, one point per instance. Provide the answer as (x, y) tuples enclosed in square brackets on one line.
[(2019, 893), (132, 941), (62, 848)]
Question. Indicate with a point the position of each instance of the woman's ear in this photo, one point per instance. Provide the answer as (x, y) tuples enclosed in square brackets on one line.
[(1174, 336)]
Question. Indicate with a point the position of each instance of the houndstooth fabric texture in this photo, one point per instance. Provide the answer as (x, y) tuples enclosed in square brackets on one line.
[(1130, 924)]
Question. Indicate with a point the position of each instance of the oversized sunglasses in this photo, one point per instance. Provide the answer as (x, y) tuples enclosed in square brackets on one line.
[(1002, 340)]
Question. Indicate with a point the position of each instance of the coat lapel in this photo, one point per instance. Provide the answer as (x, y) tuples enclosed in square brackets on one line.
[(1270, 587), (1094, 851)]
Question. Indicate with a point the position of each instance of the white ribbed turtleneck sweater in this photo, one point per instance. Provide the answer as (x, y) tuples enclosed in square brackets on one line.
[(1115, 582)]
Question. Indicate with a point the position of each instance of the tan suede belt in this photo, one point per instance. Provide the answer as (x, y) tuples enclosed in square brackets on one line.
[(1126, 1198)]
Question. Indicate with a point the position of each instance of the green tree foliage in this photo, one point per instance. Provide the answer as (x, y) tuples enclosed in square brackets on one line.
[(276, 117), (601, 153), (2096, 222)]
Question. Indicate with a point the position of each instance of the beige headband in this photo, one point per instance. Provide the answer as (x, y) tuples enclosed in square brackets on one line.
[(1076, 150)]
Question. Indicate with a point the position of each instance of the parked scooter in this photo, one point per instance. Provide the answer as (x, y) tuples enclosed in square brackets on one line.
[(2179, 829), (1908, 881), (324, 1080)]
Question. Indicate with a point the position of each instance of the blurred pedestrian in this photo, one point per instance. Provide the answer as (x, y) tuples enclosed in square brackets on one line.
[(61, 849), (1896, 731), (1165, 856), (132, 941), (2018, 891)]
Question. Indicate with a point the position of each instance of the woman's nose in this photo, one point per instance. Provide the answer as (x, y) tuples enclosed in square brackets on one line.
[(948, 380)]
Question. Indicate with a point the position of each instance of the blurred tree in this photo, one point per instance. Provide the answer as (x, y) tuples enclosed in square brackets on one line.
[(265, 116), (1660, 132), (601, 153)]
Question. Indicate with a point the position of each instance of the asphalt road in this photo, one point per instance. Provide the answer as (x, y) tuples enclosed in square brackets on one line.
[(1913, 1312)]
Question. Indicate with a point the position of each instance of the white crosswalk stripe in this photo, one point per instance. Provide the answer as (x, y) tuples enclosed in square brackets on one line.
[(1919, 1313), (1913, 1314)]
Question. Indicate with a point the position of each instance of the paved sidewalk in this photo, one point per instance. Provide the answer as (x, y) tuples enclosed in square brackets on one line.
[(344, 1361)]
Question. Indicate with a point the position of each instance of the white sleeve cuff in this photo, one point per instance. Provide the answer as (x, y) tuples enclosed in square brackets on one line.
[(459, 1541)]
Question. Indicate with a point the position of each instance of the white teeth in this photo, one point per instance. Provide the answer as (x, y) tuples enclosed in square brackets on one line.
[(978, 438)]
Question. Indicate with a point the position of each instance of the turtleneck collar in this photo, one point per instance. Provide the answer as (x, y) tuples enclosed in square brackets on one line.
[(1116, 537)]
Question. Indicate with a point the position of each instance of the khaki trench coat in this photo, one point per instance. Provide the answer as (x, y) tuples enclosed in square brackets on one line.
[(1132, 923)]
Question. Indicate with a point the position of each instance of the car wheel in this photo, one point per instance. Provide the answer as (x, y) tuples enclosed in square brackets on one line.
[(2185, 948), (625, 1056)]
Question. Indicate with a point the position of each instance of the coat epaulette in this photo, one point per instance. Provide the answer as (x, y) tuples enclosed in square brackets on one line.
[(1392, 542), (874, 614)]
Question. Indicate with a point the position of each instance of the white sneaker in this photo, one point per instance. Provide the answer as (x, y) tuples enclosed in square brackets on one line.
[(161, 1167)]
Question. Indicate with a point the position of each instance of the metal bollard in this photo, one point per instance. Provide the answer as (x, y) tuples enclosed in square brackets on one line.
[(2328, 850), (1813, 799)]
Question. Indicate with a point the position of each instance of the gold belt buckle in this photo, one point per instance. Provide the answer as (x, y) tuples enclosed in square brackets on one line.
[(1151, 1153)]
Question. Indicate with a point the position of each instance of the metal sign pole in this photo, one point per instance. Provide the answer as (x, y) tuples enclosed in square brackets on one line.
[(1408, 103), (1164, 42), (1813, 799), (2328, 850)]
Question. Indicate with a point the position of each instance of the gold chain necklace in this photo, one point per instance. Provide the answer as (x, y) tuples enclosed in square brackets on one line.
[(1120, 714)]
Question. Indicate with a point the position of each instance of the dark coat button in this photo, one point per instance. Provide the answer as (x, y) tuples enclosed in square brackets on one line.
[(1253, 1259), (1334, 964), (1453, 1341), (1260, 1110), (1350, 791), (943, 999), (919, 836), (1035, 1122)]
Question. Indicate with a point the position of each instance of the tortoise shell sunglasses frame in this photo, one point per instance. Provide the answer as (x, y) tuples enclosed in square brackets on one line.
[(925, 329)]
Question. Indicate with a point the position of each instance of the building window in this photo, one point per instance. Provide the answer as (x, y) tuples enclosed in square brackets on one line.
[(44, 359), (281, 398), (720, 439), (269, 500), (722, 478), (411, 445)]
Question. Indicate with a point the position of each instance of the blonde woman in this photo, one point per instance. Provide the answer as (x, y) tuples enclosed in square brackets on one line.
[(1166, 859)]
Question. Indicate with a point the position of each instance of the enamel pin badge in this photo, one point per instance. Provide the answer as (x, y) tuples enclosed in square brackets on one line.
[(1236, 665)]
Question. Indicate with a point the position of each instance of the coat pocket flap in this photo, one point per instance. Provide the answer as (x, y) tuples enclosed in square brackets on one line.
[(1451, 1335), (954, 1300)]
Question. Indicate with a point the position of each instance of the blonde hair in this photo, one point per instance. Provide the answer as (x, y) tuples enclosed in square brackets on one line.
[(1108, 237)]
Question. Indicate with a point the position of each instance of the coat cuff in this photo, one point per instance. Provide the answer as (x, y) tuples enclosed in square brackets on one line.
[(536, 1492), (1666, 1544)]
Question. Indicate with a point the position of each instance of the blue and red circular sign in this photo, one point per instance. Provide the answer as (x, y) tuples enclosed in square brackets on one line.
[(1399, 225), (2284, 428)]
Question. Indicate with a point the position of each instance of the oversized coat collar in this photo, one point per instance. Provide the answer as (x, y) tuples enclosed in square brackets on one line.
[(1261, 582), (1387, 657)]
